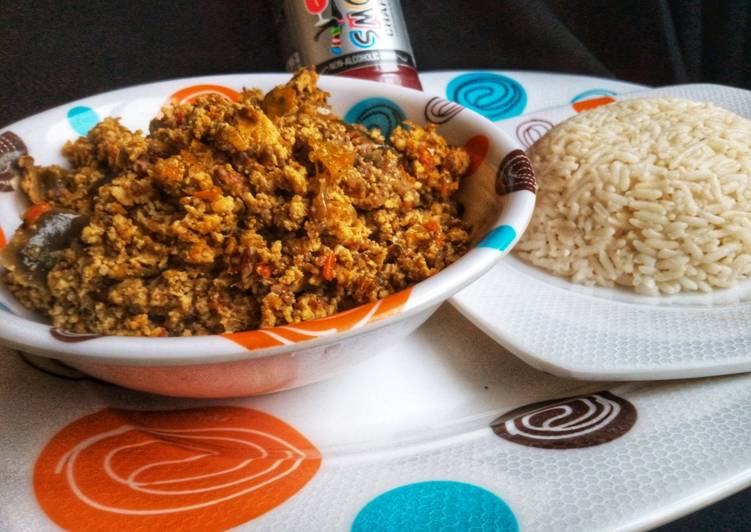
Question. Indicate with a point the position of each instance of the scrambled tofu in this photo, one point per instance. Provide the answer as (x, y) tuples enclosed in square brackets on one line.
[(231, 216)]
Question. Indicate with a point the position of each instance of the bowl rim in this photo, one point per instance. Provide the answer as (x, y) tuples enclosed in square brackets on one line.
[(28, 335)]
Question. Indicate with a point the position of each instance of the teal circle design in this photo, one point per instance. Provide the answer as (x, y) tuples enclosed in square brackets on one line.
[(82, 119), (592, 93), (376, 112), (494, 96), (499, 238), (5, 307), (436, 505)]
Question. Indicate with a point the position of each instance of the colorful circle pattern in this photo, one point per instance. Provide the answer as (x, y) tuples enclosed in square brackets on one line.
[(70, 337), (592, 93), (515, 173), (499, 238), (436, 505), (494, 96), (532, 130), (477, 148), (196, 469), (11, 148), (584, 101), (82, 119), (192, 93), (569, 423), (440, 111), (379, 113)]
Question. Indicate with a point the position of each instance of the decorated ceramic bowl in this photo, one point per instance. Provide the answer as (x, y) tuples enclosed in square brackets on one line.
[(497, 196)]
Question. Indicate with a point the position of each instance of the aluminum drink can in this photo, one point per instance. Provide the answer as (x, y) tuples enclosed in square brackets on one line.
[(358, 38)]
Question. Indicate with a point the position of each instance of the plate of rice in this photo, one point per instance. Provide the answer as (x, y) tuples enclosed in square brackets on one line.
[(637, 261)]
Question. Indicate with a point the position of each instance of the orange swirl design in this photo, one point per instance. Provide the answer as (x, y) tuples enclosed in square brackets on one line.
[(199, 469), (309, 330), (586, 105), (190, 94), (477, 148)]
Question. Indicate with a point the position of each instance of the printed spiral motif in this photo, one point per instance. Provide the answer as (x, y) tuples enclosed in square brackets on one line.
[(515, 173), (592, 93), (121, 469), (569, 423), (477, 148), (532, 130), (11, 148), (309, 330), (378, 113), (440, 111), (192, 93), (494, 96), (584, 101), (71, 337)]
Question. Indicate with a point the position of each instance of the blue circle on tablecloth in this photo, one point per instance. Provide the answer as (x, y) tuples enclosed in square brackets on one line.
[(592, 93), (494, 96), (376, 112), (499, 238), (436, 505), (82, 119)]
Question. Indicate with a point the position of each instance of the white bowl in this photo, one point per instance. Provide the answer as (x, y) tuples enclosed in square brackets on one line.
[(498, 199)]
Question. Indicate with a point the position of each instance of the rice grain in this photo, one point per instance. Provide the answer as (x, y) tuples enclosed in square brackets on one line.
[(650, 194)]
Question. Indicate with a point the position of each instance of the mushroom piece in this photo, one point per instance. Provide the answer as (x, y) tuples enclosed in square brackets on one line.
[(33, 246)]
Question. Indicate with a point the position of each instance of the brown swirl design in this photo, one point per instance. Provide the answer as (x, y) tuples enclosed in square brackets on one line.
[(569, 423), (440, 111), (515, 173), (530, 131), (11, 148), (71, 337)]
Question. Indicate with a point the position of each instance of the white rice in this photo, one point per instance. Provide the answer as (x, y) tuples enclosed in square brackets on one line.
[(651, 194)]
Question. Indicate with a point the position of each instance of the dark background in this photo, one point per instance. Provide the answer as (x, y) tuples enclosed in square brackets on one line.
[(52, 52)]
